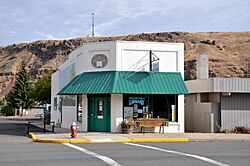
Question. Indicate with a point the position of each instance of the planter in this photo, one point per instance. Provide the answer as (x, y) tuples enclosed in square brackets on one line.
[(127, 130)]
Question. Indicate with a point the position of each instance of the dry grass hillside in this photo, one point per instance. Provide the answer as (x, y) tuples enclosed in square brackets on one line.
[(228, 53)]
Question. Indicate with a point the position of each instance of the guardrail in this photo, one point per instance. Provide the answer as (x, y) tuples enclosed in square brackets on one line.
[(44, 123)]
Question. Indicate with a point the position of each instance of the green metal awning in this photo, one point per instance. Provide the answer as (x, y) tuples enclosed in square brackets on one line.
[(126, 82)]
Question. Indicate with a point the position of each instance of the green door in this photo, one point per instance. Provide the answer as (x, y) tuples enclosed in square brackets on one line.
[(99, 114)]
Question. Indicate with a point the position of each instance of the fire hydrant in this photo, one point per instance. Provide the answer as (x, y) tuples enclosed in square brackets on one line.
[(73, 129)]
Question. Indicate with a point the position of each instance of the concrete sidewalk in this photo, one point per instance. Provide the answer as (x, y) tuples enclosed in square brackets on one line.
[(97, 137)]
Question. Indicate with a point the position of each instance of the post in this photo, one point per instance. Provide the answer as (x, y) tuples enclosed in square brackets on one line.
[(53, 127), (28, 129), (150, 60), (44, 126), (173, 107), (93, 24)]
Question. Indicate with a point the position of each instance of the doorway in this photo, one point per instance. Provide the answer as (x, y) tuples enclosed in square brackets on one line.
[(99, 114)]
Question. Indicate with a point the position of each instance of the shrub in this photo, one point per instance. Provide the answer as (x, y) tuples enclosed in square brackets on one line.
[(128, 123), (248, 131), (242, 130), (7, 110)]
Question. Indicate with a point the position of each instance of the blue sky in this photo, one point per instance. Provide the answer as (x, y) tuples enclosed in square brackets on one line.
[(30, 20)]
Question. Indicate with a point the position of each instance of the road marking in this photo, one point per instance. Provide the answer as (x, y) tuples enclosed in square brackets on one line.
[(181, 153), (103, 158)]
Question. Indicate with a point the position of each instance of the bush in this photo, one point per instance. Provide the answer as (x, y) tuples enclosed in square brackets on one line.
[(248, 131), (7, 110), (225, 131), (242, 130)]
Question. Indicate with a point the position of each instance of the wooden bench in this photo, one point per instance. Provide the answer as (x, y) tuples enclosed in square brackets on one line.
[(151, 123)]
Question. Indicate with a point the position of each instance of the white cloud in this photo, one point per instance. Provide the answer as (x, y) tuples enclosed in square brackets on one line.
[(63, 18), (46, 36), (66, 22), (50, 37), (13, 32)]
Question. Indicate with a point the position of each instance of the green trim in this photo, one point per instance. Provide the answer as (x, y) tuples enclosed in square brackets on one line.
[(126, 82)]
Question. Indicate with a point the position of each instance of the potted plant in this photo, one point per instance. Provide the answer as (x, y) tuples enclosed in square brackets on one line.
[(128, 126)]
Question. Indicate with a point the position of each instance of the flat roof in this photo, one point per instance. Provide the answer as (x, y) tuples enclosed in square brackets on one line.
[(218, 84)]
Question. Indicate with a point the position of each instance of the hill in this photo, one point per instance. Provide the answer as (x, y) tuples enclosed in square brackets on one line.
[(228, 53)]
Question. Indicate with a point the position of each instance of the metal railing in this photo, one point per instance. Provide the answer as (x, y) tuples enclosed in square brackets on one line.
[(44, 123)]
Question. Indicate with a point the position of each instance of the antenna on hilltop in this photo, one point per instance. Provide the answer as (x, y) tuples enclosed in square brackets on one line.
[(93, 24)]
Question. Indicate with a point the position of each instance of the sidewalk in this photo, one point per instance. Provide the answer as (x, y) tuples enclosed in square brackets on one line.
[(97, 137)]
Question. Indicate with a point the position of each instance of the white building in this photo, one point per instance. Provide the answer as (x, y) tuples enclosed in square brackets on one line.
[(103, 83)]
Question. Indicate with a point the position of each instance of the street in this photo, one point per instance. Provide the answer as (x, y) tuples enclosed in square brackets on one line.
[(16, 149)]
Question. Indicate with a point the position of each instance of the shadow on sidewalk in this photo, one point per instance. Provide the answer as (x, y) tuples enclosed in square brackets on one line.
[(15, 127)]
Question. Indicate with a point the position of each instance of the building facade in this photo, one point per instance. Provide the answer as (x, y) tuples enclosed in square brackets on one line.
[(216, 104), (103, 83)]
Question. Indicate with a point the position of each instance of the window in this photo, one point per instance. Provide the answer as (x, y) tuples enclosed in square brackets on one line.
[(135, 106), (150, 106), (100, 107), (68, 100), (79, 108), (55, 103)]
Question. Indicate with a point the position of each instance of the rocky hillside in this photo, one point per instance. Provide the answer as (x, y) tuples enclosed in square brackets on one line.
[(228, 53)]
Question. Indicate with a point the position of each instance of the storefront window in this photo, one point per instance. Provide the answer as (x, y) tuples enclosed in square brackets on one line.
[(135, 106), (150, 106), (79, 108), (165, 106)]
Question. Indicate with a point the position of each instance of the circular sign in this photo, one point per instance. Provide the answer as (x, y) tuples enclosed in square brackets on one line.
[(99, 61)]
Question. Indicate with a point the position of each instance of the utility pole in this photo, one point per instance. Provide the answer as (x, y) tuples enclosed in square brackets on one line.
[(93, 24)]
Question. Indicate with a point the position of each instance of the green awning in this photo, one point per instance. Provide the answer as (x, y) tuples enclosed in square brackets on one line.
[(126, 82)]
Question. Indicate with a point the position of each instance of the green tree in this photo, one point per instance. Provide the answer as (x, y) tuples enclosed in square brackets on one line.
[(18, 97), (41, 90), (7, 109)]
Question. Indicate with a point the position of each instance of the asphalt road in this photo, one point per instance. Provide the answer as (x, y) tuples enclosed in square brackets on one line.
[(18, 150)]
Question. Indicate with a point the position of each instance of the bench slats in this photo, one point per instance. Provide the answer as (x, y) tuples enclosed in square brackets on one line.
[(151, 122)]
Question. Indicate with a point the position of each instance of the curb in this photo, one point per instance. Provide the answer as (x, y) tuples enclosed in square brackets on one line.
[(60, 141), (219, 140), (32, 135), (130, 140)]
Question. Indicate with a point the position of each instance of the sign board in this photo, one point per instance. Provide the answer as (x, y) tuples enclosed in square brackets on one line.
[(155, 66), (128, 113), (137, 100)]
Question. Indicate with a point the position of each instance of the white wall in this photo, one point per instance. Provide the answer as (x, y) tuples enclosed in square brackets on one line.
[(116, 112), (171, 55), (84, 113), (181, 115), (69, 116), (86, 52), (66, 74), (34, 111), (55, 114)]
